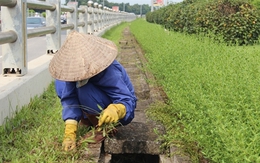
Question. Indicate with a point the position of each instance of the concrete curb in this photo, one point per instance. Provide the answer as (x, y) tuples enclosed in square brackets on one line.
[(18, 91)]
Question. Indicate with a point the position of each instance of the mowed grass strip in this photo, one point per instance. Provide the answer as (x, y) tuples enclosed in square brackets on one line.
[(213, 93)]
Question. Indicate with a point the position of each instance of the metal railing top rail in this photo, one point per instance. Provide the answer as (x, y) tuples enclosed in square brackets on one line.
[(8, 37), (66, 9), (11, 36), (67, 26), (8, 3), (40, 5), (40, 31)]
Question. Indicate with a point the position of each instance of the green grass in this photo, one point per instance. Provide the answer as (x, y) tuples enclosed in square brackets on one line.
[(213, 93), (115, 33), (36, 132)]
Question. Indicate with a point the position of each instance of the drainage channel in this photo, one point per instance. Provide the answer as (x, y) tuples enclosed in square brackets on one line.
[(134, 158), (127, 157), (137, 142)]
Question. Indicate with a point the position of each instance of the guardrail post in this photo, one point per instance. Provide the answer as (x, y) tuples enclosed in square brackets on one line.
[(14, 54), (98, 17), (83, 17), (100, 12), (105, 16), (121, 15), (90, 18), (109, 16), (53, 19), (72, 18), (114, 18), (117, 14), (95, 10)]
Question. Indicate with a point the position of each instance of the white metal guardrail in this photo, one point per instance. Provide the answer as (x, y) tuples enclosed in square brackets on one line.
[(14, 35), (22, 79)]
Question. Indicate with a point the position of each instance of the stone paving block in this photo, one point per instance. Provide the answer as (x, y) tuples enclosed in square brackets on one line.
[(140, 84), (139, 137), (180, 159), (165, 159), (104, 157), (92, 154)]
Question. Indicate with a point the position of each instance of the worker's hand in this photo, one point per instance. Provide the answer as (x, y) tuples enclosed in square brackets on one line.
[(69, 141), (112, 114)]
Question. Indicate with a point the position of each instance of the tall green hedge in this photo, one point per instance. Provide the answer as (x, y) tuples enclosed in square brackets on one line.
[(232, 21)]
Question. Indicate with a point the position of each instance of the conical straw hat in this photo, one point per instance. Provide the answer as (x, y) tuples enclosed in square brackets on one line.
[(82, 56)]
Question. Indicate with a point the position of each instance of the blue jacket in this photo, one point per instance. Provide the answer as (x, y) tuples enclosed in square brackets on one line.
[(112, 85)]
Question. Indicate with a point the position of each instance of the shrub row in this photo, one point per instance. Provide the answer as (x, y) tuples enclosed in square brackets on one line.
[(231, 21)]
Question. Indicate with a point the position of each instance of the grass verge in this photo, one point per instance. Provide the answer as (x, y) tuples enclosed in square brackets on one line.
[(213, 93)]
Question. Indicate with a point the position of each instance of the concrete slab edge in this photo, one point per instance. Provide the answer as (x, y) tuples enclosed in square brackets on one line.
[(18, 91)]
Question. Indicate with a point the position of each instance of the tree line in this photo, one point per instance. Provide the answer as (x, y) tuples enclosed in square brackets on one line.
[(136, 8)]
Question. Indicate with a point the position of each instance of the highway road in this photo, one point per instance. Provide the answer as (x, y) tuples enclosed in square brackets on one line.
[(36, 47)]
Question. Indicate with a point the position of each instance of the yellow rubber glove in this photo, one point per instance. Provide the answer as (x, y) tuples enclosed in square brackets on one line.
[(112, 113), (69, 141)]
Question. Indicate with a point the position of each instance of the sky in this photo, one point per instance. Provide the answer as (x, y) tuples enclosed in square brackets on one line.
[(140, 2)]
